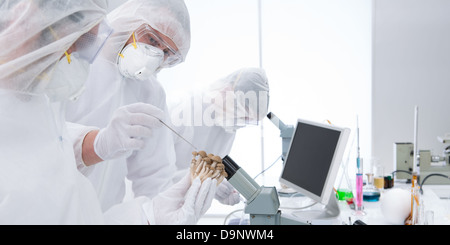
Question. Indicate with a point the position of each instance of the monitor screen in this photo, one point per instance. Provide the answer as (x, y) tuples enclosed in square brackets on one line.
[(313, 159)]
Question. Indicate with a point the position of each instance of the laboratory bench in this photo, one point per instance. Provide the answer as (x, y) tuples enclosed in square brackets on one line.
[(436, 201)]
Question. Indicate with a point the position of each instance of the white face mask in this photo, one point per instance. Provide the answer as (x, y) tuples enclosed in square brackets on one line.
[(141, 62), (67, 81)]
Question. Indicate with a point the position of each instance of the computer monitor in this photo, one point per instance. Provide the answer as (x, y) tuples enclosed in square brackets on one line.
[(312, 163)]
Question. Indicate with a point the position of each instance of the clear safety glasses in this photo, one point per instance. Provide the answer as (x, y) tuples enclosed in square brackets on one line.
[(89, 45), (146, 34)]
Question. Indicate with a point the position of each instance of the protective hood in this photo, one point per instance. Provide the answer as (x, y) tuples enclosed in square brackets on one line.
[(249, 89), (169, 17), (35, 34)]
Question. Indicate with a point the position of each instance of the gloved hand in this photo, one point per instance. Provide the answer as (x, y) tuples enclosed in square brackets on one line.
[(126, 130), (226, 194), (183, 203)]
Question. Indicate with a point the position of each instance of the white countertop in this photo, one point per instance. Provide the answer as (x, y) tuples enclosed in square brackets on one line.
[(436, 199)]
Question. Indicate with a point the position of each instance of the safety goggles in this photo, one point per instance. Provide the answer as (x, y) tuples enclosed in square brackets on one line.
[(89, 45), (146, 34)]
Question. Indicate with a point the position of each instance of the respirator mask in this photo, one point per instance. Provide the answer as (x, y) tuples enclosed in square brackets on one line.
[(147, 54)]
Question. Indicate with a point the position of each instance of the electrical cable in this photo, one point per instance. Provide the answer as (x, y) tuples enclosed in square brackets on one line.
[(430, 175), (228, 216), (410, 173), (423, 181), (268, 167), (403, 171)]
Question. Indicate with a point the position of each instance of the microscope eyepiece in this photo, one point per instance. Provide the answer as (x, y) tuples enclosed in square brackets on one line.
[(230, 166), (275, 120), (240, 180)]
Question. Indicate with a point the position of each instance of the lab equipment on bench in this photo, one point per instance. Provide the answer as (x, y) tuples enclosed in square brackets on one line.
[(370, 192), (286, 132), (344, 189), (262, 203), (430, 165), (404, 160), (310, 168), (312, 164), (359, 209), (436, 164), (427, 164)]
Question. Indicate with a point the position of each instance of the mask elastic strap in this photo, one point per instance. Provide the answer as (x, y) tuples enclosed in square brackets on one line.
[(134, 41), (68, 57), (57, 38), (134, 45)]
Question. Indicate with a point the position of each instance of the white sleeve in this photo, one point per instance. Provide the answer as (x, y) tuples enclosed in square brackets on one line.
[(128, 213), (77, 133)]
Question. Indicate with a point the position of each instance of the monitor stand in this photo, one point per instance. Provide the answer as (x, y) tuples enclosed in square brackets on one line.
[(329, 211)]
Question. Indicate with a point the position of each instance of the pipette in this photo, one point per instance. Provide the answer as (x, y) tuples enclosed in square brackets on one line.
[(359, 176)]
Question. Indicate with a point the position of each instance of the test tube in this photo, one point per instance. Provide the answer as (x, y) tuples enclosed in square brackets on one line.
[(359, 188)]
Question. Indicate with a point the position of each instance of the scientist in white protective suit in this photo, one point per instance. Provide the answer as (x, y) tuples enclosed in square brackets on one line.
[(228, 104), (50, 45), (149, 35)]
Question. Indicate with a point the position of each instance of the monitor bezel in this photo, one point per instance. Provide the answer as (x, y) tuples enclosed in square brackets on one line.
[(334, 166)]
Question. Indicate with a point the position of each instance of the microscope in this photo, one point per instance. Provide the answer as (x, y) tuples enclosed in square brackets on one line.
[(286, 132), (262, 203)]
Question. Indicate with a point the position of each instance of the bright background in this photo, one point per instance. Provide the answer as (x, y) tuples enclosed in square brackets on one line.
[(317, 57), (326, 60)]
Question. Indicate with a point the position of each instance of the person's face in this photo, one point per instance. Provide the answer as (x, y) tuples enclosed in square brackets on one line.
[(156, 39), (93, 31), (90, 43), (73, 48)]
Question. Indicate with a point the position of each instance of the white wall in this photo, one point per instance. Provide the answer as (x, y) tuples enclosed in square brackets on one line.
[(411, 66)]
